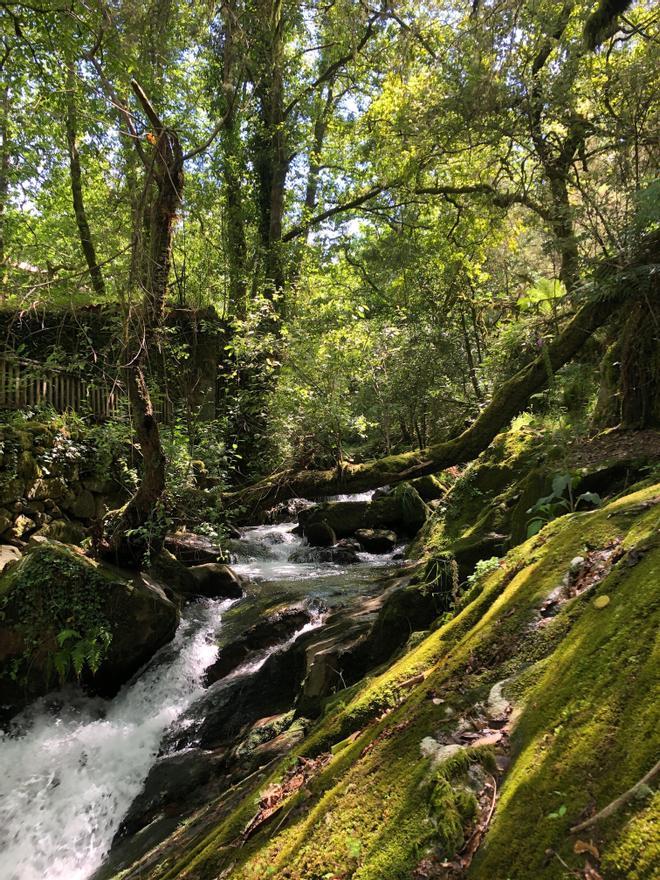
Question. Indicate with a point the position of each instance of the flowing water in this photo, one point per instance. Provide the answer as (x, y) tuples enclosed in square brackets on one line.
[(72, 765)]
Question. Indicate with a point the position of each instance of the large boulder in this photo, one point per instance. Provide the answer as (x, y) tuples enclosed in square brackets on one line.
[(376, 540), (320, 534), (343, 517), (402, 509), (213, 580), (216, 581), (65, 618), (193, 549), (275, 629)]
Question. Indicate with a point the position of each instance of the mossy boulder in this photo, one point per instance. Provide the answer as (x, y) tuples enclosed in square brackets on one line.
[(402, 509), (343, 517), (378, 805), (66, 618), (431, 487), (486, 512), (376, 540), (320, 534)]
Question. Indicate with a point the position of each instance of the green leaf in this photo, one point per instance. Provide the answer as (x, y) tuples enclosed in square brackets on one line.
[(66, 634)]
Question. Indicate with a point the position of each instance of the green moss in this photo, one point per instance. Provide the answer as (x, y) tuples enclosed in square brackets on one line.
[(635, 853), (586, 732), (584, 689)]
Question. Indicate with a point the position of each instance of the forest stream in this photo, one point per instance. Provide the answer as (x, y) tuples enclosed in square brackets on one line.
[(71, 766)]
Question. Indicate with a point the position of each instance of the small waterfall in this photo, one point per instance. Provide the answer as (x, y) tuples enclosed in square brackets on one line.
[(71, 766), (68, 777)]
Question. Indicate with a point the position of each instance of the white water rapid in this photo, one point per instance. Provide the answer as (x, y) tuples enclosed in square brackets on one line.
[(68, 780), (72, 765)]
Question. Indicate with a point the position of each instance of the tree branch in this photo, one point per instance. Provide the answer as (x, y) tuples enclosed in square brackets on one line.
[(301, 228)]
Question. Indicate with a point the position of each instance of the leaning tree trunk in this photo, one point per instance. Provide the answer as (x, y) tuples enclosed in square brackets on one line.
[(507, 401), (135, 531)]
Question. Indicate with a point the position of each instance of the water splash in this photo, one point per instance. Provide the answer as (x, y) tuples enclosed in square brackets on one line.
[(69, 776)]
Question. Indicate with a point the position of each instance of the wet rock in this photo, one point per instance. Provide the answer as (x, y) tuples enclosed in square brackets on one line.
[(349, 544), (287, 511), (166, 569), (192, 549), (276, 628), (376, 540), (343, 517), (135, 611), (214, 580), (229, 707), (320, 534), (171, 780), (402, 508), (339, 555)]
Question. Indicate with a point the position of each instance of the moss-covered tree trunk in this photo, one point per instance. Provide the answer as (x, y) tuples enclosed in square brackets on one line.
[(507, 401), (640, 365)]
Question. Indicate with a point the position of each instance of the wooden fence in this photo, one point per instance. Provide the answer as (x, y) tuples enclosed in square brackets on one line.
[(25, 383)]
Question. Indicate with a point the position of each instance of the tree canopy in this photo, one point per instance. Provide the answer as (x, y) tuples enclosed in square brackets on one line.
[(393, 208)]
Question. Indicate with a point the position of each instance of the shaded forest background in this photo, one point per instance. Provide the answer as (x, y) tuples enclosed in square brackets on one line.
[(378, 213)]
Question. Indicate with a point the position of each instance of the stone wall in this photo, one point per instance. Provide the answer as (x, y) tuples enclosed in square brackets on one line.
[(52, 483)]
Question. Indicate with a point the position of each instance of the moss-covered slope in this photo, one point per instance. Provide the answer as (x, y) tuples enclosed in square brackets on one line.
[(372, 791)]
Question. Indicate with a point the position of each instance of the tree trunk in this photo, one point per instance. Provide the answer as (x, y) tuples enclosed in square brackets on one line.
[(640, 366), (271, 160), (470, 359), (82, 223), (135, 531), (233, 165), (5, 110), (508, 400)]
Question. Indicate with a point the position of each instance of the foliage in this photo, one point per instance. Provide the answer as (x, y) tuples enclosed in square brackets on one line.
[(380, 327), (561, 500), (58, 601)]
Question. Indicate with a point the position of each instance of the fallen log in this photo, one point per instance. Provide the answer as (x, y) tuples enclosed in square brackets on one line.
[(508, 400)]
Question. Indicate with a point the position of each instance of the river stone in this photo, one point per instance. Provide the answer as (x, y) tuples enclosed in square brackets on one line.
[(338, 555), (216, 580), (376, 540), (166, 569), (275, 629), (193, 549), (320, 534)]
